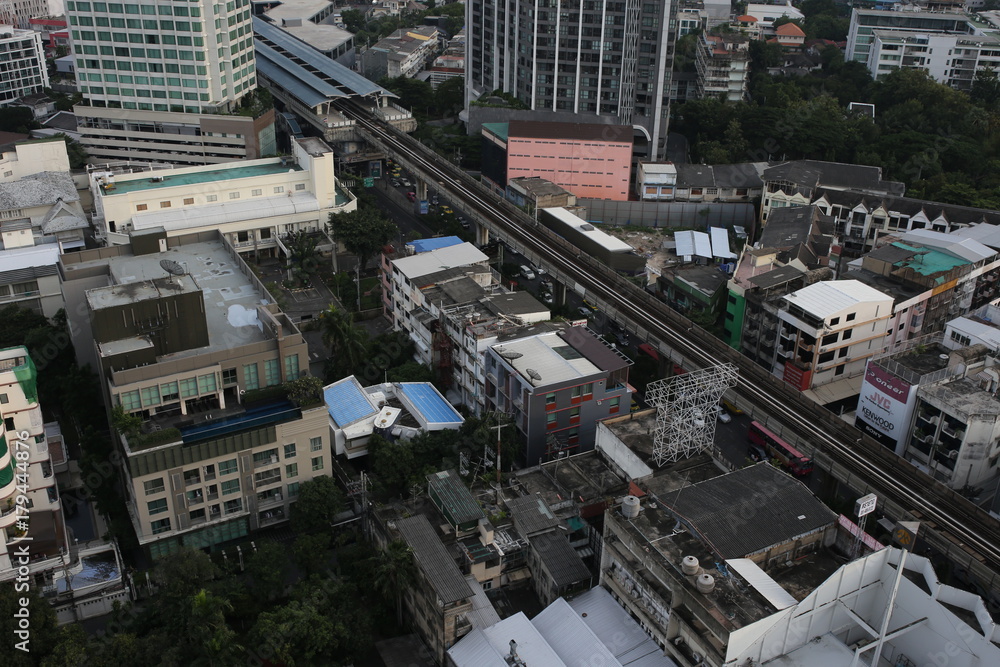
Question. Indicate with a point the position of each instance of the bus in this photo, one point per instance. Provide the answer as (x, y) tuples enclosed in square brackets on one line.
[(776, 448)]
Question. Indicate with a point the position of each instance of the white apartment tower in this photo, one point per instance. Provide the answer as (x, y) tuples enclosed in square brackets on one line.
[(23, 59), (583, 57), (159, 80)]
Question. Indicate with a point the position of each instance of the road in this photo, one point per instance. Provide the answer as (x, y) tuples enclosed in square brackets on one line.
[(951, 524)]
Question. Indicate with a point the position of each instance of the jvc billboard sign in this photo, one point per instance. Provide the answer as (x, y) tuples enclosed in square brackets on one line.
[(885, 407)]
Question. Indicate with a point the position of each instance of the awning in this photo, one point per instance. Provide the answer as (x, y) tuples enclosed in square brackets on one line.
[(762, 582), (835, 391)]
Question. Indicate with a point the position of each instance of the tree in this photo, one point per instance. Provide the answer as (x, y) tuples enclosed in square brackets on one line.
[(345, 340), (72, 648), (303, 258), (391, 466), (364, 232), (312, 551), (411, 371), (450, 96), (182, 574), (394, 572), (43, 632), (125, 423), (305, 391), (985, 88), (211, 640), (320, 501), (268, 567)]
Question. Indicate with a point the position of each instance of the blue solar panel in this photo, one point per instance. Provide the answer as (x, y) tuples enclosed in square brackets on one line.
[(347, 403), (430, 403)]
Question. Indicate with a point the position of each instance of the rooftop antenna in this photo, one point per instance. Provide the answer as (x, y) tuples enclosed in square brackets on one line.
[(533, 374), (173, 268)]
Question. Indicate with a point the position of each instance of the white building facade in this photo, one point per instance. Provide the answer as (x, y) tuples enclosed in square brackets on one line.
[(23, 56)]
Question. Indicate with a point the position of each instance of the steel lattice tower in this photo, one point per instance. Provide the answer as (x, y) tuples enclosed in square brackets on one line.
[(686, 407)]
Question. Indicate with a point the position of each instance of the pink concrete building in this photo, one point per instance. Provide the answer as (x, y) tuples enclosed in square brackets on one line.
[(590, 160)]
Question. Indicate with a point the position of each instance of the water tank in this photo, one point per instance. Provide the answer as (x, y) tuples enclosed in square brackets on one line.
[(690, 566), (705, 583), (630, 507)]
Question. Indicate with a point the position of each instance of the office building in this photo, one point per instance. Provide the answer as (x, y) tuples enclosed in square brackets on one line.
[(863, 42), (598, 59), (164, 83), (203, 359), (25, 71)]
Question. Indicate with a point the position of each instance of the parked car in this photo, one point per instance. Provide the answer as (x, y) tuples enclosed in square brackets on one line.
[(634, 407), (547, 297), (527, 273), (724, 417), (583, 311), (412, 196), (395, 183), (406, 182)]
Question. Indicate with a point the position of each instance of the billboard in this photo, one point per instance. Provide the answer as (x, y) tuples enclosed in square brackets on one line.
[(885, 407), (424, 207)]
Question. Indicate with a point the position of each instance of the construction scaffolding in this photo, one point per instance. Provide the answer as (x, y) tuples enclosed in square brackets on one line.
[(686, 410)]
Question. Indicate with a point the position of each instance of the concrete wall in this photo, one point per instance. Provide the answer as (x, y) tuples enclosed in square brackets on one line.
[(668, 214)]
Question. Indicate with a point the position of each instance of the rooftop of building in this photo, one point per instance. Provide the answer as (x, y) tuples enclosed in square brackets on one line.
[(360, 411), (781, 275), (448, 290), (32, 257), (129, 183), (534, 129), (919, 360), (789, 30), (434, 560), (43, 189), (707, 280), (728, 511), (435, 243), (792, 225), (911, 207), (569, 354), (957, 246), (434, 261), (591, 231), (561, 560), (985, 232), (962, 397), (830, 297), (816, 173), (922, 261), (538, 187), (231, 297), (900, 291), (455, 498)]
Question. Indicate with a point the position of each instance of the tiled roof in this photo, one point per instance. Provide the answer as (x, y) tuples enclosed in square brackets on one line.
[(434, 560), (559, 559), (531, 515), (748, 510), (457, 500)]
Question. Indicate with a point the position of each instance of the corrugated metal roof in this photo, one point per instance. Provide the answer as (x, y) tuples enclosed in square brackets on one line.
[(599, 237), (726, 510), (483, 614), (16, 259), (720, 243), (762, 583), (454, 497), (304, 93), (347, 402), (433, 261), (549, 356), (827, 298), (965, 248), (617, 630), (685, 243), (702, 245), (425, 245), (475, 650), (427, 402), (559, 559), (531, 515), (572, 640), (434, 560)]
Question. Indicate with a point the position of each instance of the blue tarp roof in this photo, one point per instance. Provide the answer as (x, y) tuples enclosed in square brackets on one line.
[(430, 403), (347, 402), (426, 245)]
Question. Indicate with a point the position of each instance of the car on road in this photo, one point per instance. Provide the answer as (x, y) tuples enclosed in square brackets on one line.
[(446, 209), (412, 196), (547, 297), (584, 311), (537, 269), (590, 305), (623, 339), (724, 417), (435, 201), (406, 182), (527, 273), (395, 183), (634, 407), (465, 223)]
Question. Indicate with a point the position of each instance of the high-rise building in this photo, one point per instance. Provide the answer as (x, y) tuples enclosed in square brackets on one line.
[(164, 82), (19, 12), (582, 57)]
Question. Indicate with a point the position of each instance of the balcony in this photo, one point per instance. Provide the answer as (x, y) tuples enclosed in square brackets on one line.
[(263, 463), (271, 517)]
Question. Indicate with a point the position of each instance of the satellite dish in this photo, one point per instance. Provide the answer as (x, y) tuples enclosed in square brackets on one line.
[(533, 374), (172, 267), (511, 355)]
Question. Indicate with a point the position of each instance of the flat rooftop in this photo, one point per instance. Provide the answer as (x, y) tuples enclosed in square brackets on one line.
[(164, 179), (962, 397), (231, 300)]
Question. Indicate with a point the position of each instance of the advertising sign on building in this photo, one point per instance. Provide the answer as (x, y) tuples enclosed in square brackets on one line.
[(885, 407)]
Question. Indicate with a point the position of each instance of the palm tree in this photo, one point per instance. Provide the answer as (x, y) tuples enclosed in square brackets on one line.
[(394, 572), (214, 641), (346, 341)]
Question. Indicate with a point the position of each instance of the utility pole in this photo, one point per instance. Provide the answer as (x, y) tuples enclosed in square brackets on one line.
[(358, 283), (498, 427)]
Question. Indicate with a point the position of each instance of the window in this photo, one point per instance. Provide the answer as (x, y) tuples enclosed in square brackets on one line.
[(234, 195), (272, 373), (574, 416), (278, 189), (194, 497), (228, 376), (161, 526), (229, 467), (158, 506), (197, 515), (210, 473), (141, 207), (189, 387), (300, 186), (550, 420), (829, 339), (206, 383), (269, 457), (315, 444), (835, 321), (550, 400), (840, 369), (250, 376), (233, 505), (211, 198), (168, 391), (292, 470), (192, 477), (164, 204), (293, 489), (588, 389), (153, 486), (292, 367), (130, 400), (851, 316), (255, 192), (150, 395), (290, 451), (317, 463), (230, 486), (3, 399), (188, 201), (575, 393), (847, 334), (572, 436), (267, 477)]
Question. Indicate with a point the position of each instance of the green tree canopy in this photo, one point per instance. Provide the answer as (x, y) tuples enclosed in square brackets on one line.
[(320, 501), (364, 232)]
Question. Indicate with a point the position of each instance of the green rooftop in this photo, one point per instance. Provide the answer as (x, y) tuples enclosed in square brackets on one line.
[(930, 261), (499, 129), (164, 179)]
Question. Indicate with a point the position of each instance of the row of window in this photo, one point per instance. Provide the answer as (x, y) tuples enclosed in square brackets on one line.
[(189, 201)]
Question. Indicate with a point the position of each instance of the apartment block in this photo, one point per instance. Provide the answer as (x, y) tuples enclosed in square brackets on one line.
[(723, 63), (188, 340), (827, 332), (557, 386), (255, 204), (21, 51), (598, 59), (699, 182), (403, 53)]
